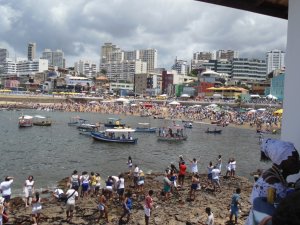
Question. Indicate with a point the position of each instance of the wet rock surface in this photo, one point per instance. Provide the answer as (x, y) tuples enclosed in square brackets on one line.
[(178, 210)]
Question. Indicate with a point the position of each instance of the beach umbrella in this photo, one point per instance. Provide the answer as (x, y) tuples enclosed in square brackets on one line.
[(174, 103), (278, 112), (93, 102)]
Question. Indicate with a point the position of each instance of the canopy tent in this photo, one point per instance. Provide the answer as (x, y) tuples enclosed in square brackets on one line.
[(271, 97), (278, 112), (211, 106), (122, 100), (185, 96), (217, 96), (174, 103), (93, 103), (251, 111), (261, 110), (254, 96)]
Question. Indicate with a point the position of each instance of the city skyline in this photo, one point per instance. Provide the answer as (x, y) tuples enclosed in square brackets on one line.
[(176, 28)]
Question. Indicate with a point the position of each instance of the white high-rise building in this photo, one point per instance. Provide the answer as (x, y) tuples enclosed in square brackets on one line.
[(149, 56), (24, 67), (55, 58), (86, 68), (275, 60), (124, 70), (116, 61), (31, 51)]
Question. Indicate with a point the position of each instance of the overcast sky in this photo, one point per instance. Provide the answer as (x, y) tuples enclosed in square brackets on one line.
[(173, 27)]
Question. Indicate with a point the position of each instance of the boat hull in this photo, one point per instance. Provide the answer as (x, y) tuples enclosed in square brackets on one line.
[(104, 138), (114, 125), (145, 130), (214, 132), (171, 139), (45, 124)]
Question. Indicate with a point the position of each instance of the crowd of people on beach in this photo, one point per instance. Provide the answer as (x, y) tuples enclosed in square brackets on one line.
[(214, 114)]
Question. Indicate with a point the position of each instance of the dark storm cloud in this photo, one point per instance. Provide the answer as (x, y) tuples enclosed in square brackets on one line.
[(173, 27)]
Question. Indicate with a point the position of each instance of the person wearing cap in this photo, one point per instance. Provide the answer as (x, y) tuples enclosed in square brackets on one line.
[(285, 159)]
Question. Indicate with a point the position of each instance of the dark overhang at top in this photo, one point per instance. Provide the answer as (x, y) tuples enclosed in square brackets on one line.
[(276, 8)]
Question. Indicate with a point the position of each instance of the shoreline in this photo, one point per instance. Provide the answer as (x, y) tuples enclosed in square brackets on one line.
[(206, 121), (177, 210)]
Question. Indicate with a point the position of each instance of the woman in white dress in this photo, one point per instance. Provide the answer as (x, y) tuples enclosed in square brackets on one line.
[(286, 162), (28, 190), (194, 166)]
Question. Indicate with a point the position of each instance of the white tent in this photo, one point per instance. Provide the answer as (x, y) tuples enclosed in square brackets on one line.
[(271, 97), (252, 111), (174, 103), (93, 102), (212, 106), (185, 96), (261, 110), (254, 96), (217, 96), (124, 100)]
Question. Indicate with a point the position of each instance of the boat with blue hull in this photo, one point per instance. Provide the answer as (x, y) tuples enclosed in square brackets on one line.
[(115, 136), (145, 128)]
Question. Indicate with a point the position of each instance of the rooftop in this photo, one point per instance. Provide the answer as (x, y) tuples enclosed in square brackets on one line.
[(276, 8)]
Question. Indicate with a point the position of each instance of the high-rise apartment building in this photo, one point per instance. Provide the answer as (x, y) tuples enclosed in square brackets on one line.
[(86, 68), (55, 58), (124, 70), (116, 61), (227, 54), (204, 55), (106, 52), (31, 52), (150, 57), (24, 67), (275, 60), (3, 54), (249, 69), (181, 66)]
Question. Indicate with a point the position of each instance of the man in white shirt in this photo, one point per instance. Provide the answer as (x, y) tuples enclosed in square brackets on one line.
[(215, 178), (58, 193), (5, 188), (72, 195)]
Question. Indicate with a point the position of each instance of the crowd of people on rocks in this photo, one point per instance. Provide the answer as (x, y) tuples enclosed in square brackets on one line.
[(86, 185), (177, 177)]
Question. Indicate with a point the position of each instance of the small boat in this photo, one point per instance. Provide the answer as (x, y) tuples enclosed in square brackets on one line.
[(41, 121), (87, 129), (188, 125), (145, 128), (114, 122), (115, 136), (25, 121), (174, 133), (158, 117), (74, 121), (213, 131)]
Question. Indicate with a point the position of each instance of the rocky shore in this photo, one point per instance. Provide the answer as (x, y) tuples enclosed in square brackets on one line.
[(178, 210)]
